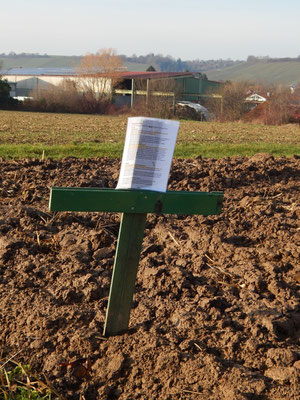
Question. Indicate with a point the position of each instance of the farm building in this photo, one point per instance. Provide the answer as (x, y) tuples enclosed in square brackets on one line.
[(23, 81), (183, 86), (125, 87)]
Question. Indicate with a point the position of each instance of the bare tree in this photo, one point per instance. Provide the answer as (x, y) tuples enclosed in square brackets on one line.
[(99, 72)]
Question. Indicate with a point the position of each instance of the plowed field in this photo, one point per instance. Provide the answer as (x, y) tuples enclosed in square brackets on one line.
[(216, 311)]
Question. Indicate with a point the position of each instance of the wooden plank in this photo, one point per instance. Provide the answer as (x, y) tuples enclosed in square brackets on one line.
[(124, 273), (135, 201)]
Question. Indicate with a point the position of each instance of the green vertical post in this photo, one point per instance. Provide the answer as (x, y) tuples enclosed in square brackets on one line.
[(124, 273), (132, 93), (174, 104), (147, 91), (221, 105)]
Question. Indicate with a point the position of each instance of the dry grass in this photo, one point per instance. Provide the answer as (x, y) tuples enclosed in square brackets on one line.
[(17, 382), (56, 129), (47, 128)]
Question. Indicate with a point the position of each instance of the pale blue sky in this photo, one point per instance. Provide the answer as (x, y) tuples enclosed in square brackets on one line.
[(188, 29)]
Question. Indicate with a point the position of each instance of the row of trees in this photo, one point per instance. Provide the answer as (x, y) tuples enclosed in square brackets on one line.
[(170, 64), (160, 62), (12, 54), (267, 59)]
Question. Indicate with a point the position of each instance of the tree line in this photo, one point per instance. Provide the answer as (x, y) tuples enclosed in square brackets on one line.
[(267, 59), (158, 61), (171, 64)]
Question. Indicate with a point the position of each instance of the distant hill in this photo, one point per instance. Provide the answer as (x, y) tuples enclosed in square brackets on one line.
[(255, 69), (40, 62), (133, 63), (55, 62), (270, 72)]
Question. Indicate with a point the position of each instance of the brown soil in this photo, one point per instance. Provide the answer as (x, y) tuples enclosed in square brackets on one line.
[(216, 310)]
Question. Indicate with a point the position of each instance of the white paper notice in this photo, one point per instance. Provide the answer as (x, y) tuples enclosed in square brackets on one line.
[(148, 152)]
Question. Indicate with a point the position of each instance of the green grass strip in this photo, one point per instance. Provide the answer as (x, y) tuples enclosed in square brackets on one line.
[(81, 150), (114, 150), (220, 150)]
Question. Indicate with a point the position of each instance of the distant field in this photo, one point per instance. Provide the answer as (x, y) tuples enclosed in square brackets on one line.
[(25, 134), (40, 62), (55, 62), (286, 73)]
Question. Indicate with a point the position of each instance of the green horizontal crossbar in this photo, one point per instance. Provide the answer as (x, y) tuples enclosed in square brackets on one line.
[(135, 201)]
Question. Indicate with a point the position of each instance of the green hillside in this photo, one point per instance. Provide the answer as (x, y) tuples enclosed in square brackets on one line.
[(287, 73), (40, 62), (55, 62)]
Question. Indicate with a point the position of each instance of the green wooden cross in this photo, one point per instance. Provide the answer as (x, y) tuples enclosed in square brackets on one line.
[(134, 204)]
